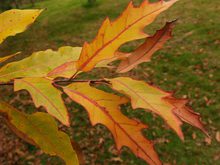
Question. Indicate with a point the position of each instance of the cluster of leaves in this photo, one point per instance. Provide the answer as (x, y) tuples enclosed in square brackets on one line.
[(48, 74)]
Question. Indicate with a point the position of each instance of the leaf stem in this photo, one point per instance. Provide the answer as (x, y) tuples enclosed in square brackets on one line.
[(71, 78)]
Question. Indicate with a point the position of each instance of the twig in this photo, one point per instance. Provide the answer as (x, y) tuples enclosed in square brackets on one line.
[(9, 83), (64, 81)]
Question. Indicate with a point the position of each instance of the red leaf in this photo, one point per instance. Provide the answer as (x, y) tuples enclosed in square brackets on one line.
[(147, 49)]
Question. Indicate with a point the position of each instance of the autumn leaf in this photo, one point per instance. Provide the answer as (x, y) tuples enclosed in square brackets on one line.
[(67, 69), (3, 59), (16, 21), (185, 113), (46, 95), (128, 27), (103, 108), (147, 49), (39, 64), (42, 129), (162, 103)]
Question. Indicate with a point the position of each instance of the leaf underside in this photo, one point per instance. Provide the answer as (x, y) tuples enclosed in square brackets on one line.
[(42, 130), (144, 52)]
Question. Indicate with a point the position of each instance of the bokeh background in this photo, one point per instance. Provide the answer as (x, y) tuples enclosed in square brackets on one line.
[(188, 65)]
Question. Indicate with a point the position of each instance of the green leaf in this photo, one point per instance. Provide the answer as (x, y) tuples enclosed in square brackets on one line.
[(42, 129), (46, 95), (39, 64)]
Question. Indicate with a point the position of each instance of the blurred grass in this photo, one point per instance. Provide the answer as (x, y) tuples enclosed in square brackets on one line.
[(188, 64)]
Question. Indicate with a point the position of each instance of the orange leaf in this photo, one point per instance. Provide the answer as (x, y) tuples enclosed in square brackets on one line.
[(162, 103), (129, 26), (147, 49), (103, 108)]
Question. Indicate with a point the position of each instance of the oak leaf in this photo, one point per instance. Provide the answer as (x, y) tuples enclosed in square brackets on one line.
[(39, 64), (16, 21), (128, 27), (147, 49), (103, 108), (185, 113), (42, 130), (160, 102), (46, 95), (67, 69)]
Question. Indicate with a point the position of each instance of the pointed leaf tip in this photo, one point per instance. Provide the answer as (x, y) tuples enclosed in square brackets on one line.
[(128, 27), (145, 51), (2, 59), (103, 108), (148, 97)]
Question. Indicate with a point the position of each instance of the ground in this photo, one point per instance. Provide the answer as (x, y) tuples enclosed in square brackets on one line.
[(188, 65)]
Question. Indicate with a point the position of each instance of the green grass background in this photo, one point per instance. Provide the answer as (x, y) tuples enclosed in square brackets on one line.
[(188, 65)]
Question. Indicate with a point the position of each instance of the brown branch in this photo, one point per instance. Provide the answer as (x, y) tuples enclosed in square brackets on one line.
[(65, 81)]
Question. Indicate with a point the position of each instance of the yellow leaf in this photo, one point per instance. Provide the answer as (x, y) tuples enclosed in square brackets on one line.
[(129, 26), (42, 129), (46, 95), (103, 108), (16, 21), (162, 103), (73, 52), (2, 59), (67, 69), (39, 64)]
